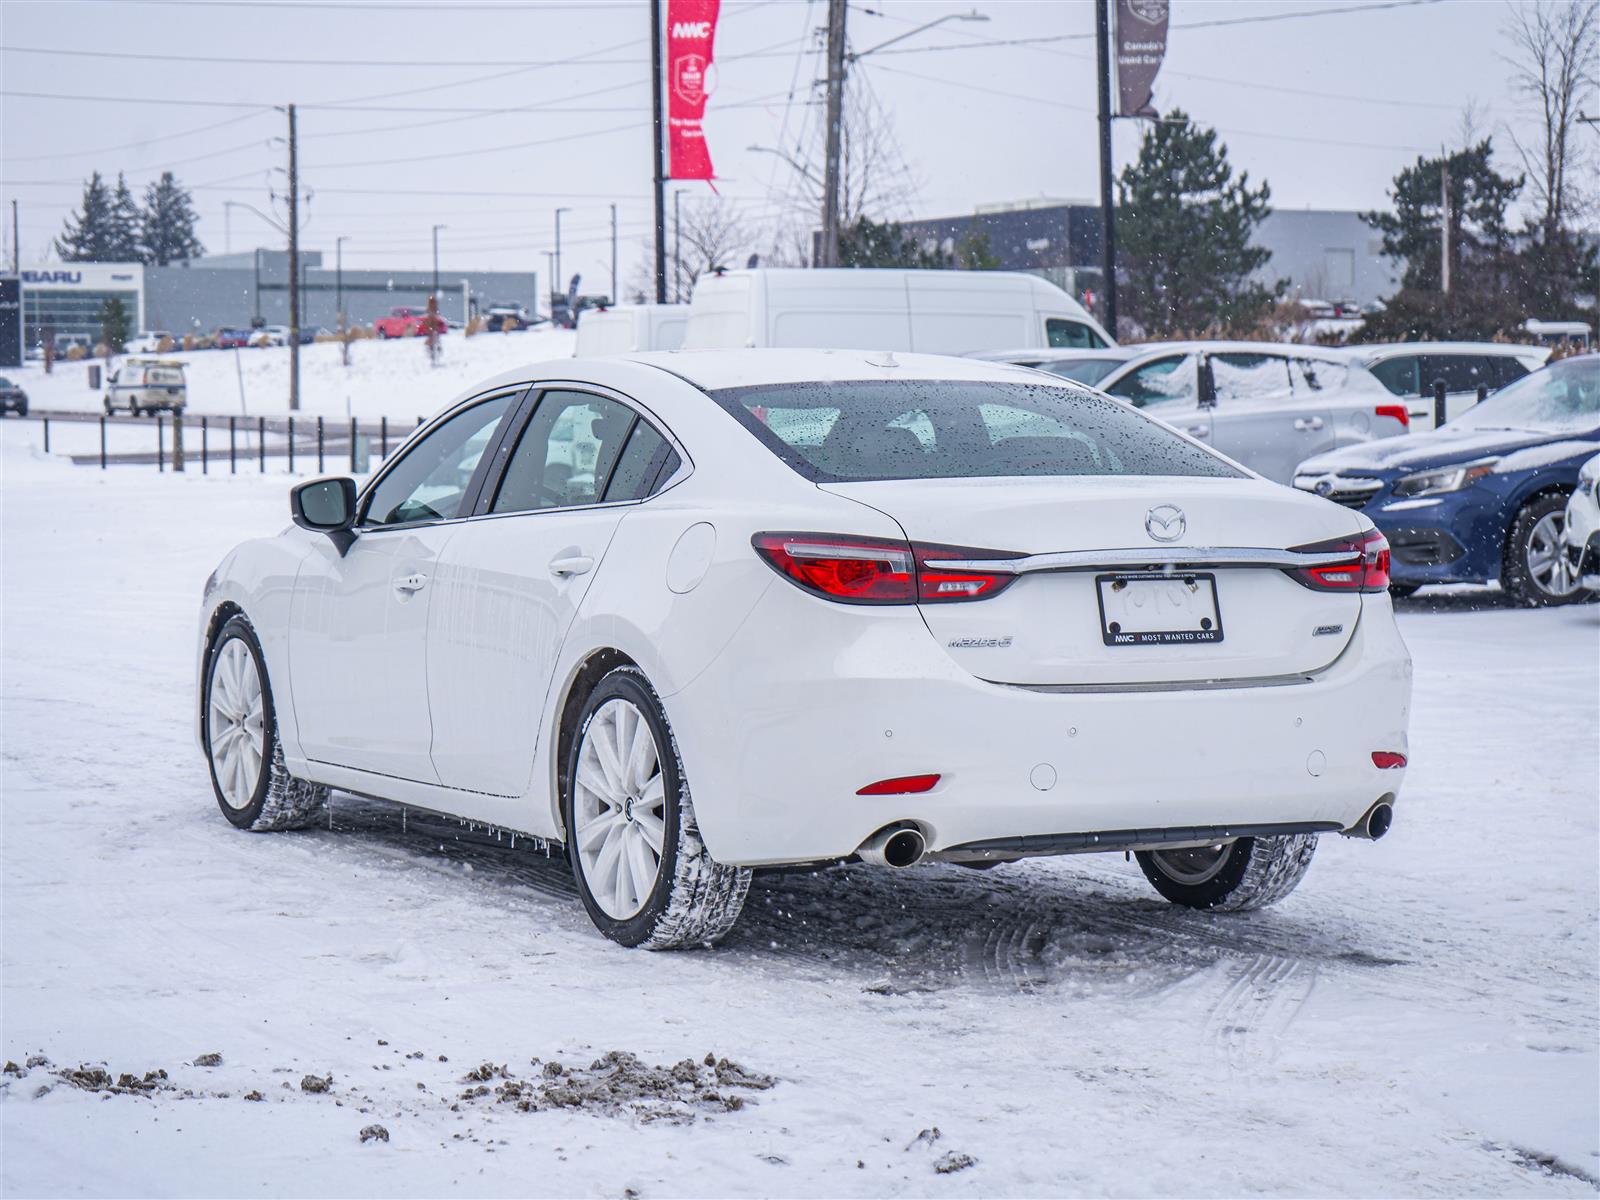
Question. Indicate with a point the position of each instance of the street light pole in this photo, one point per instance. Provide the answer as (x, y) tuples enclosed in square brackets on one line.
[(556, 282), (613, 253), (338, 277), (677, 246), (436, 229), (1108, 218)]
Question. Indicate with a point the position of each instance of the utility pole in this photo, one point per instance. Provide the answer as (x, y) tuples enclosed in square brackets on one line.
[(660, 172), (338, 277), (436, 229), (1444, 223), (294, 267), (613, 254), (677, 247), (556, 282), (16, 246), (1108, 220), (829, 254)]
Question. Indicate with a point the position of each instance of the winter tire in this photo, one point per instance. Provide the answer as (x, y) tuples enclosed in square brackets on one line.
[(239, 729), (1248, 874), (645, 877), (1536, 569)]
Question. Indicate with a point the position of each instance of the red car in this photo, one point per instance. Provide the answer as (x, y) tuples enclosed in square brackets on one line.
[(232, 339), (406, 322)]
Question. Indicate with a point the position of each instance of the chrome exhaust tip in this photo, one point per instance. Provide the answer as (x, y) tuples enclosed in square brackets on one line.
[(894, 846), (1375, 824)]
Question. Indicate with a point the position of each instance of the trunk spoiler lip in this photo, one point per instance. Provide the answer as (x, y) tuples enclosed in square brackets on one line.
[(1151, 557)]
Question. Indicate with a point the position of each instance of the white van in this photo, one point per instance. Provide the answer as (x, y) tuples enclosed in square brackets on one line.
[(148, 386), (631, 327), (932, 312)]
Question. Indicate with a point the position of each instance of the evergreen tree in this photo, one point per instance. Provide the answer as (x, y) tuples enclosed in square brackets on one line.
[(124, 227), (88, 235), (1479, 235), (973, 252), (1184, 229), (167, 229), (114, 325), (868, 243)]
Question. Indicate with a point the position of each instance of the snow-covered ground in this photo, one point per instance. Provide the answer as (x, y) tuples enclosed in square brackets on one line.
[(1420, 1018), (385, 379)]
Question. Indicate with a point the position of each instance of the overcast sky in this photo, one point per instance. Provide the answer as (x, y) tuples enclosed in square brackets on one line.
[(1324, 107)]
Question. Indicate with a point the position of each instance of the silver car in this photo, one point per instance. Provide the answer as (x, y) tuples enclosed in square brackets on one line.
[(1080, 366), (1267, 405)]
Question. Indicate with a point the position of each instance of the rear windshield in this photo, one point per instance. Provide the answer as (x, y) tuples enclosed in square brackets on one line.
[(938, 429)]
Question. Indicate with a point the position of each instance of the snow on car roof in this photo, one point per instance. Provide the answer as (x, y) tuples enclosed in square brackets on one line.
[(713, 370), (1381, 350)]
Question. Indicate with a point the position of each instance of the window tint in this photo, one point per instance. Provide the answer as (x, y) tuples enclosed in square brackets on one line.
[(938, 429), (648, 461), (1062, 334), (1507, 369), (1160, 382), (1460, 372), (429, 483), (1399, 375), (566, 453)]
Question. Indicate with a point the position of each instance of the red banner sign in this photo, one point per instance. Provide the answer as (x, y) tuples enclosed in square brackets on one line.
[(691, 31)]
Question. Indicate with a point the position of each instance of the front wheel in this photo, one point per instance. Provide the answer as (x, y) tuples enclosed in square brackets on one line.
[(1537, 569), (643, 873), (1230, 877), (239, 729)]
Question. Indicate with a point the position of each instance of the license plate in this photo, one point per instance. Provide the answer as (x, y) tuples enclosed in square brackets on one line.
[(1160, 610)]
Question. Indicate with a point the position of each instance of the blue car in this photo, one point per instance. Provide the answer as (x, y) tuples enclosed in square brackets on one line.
[(1483, 497)]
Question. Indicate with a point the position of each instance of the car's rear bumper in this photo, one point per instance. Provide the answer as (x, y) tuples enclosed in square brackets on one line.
[(776, 741)]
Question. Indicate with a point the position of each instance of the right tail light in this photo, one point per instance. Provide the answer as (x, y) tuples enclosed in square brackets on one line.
[(1366, 571)]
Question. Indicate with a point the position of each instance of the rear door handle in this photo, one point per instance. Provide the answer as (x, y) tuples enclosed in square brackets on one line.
[(577, 564), (1307, 423), (414, 582)]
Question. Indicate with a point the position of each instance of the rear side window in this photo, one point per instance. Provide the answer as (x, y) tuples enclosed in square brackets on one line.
[(566, 453), (936, 429), (648, 461), (1399, 375), (1062, 334), (1460, 372)]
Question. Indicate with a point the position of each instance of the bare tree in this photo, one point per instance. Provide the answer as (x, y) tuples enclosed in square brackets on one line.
[(1555, 49), (714, 233)]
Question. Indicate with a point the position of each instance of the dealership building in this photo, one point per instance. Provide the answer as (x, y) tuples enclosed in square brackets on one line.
[(1324, 254), (63, 301)]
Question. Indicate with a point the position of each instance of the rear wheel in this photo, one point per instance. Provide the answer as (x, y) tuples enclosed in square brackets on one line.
[(239, 729), (645, 877), (1537, 570), (1230, 877)]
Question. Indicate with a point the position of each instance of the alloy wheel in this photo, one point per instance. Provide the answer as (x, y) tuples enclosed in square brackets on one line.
[(619, 806), (235, 723), (1192, 865), (1548, 565)]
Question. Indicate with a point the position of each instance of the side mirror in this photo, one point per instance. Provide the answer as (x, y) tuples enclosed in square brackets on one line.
[(326, 506)]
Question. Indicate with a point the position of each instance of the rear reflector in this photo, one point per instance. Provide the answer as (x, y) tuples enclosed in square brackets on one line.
[(1388, 760), (858, 570), (1366, 571), (1398, 411), (901, 786)]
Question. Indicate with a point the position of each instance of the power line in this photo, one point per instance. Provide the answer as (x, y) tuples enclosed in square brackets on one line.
[(253, 60), (164, 137)]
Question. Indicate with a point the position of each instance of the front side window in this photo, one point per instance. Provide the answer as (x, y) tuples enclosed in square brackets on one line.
[(1164, 381), (1062, 334), (948, 429), (566, 454), (432, 479)]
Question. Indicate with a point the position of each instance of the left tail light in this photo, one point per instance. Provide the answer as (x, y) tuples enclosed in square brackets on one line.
[(857, 570), (1367, 569), (1398, 411)]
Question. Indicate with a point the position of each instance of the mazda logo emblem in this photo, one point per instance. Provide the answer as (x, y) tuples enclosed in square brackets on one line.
[(1165, 523)]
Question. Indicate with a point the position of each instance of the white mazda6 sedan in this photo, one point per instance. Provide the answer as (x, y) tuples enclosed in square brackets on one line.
[(689, 614)]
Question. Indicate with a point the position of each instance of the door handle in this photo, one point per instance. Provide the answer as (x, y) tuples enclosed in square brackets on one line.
[(577, 564), (414, 582), (1197, 430), (1305, 424)]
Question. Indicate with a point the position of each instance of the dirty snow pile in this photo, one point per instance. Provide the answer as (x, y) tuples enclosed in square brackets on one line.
[(396, 1006)]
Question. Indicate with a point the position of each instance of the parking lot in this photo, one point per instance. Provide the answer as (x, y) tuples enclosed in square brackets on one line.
[(1418, 1018)]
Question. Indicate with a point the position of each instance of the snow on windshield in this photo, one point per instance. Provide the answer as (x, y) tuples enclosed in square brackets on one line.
[(1563, 398)]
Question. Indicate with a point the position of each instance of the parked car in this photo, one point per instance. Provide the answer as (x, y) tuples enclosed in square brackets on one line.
[(146, 386), (787, 545), (507, 317), (270, 335), (228, 338), (1080, 366), (1581, 530), (631, 327), (1484, 497), (406, 322), (935, 312), (151, 341), (63, 342), (1267, 405), (12, 398), (1410, 370)]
